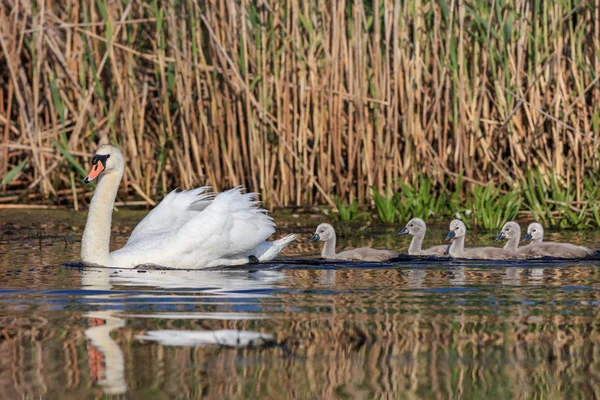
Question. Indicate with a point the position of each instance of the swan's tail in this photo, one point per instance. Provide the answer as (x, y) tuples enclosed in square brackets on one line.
[(284, 241), (267, 251)]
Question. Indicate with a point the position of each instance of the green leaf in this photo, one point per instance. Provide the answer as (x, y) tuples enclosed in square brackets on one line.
[(305, 23), (13, 173), (70, 158)]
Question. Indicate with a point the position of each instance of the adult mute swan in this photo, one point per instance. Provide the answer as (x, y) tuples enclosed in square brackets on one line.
[(192, 229), (326, 233)]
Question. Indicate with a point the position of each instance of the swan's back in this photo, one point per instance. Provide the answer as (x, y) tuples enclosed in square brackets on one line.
[(557, 250), (366, 254), (434, 251), (172, 212), (539, 248), (488, 253), (206, 230)]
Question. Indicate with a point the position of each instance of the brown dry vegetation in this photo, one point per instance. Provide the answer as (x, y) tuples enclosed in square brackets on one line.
[(299, 100)]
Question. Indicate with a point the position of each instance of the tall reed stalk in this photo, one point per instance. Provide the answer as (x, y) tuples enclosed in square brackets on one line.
[(299, 100)]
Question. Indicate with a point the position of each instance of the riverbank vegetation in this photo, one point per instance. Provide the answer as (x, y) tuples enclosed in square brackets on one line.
[(488, 207), (491, 106)]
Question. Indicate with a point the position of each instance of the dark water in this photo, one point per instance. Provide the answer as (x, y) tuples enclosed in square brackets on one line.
[(419, 329)]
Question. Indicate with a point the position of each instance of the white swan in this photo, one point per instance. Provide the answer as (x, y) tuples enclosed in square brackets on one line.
[(192, 229)]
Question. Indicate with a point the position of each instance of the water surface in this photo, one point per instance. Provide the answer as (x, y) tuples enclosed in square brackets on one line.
[(293, 329)]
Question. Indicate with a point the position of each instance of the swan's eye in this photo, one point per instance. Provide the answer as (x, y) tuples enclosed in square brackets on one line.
[(101, 158), (456, 228), (411, 225)]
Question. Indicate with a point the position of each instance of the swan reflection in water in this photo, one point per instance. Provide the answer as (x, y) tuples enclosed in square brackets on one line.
[(106, 358)]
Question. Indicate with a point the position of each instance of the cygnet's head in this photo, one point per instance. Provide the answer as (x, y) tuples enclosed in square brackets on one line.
[(415, 227), (457, 230), (535, 231), (323, 233), (107, 160), (510, 230)]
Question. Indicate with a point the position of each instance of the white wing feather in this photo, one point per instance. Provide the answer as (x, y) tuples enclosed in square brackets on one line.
[(232, 224), (206, 230), (172, 212)]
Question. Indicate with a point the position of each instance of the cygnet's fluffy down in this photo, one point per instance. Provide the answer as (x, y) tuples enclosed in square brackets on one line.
[(325, 233), (416, 227), (539, 248), (457, 234), (511, 231)]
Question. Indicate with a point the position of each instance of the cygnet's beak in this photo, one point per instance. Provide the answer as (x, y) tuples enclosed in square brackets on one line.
[(403, 231), (527, 237), (501, 236), (450, 235), (314, 238)]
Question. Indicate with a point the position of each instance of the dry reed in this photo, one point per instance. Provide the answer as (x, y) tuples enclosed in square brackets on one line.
[(299, 100)]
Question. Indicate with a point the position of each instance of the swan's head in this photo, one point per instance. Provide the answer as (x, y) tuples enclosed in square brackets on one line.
[(107, 160), (510, 230), (535, 231), (323, 233), (415, 227), (457, 229)]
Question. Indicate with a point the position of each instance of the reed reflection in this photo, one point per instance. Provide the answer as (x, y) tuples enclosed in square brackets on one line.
[(421, 330)]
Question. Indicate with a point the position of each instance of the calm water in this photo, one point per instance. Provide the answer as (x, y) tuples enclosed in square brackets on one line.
[(294, 329)]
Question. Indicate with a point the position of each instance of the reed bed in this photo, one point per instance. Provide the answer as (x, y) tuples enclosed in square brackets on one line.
[(298, 100)]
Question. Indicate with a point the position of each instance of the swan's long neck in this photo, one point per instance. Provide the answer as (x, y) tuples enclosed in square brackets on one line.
[(96, 235), (537, 241), (416, 244), (512, 244), (329, 248), (457, 247)]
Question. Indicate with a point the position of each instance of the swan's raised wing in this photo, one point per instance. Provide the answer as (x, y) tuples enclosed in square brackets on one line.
[(230, 225), (171, 213)]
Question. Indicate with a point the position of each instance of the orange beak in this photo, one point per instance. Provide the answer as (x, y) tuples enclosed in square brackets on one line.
[(96, 169)]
